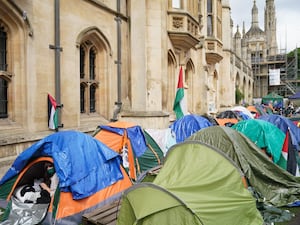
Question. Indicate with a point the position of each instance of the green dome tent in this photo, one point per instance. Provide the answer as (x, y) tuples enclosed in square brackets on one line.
[(197, 184), (275, 184)]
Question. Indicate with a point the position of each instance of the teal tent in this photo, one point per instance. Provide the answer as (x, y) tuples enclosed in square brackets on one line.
[(264, 134), (197, 184)]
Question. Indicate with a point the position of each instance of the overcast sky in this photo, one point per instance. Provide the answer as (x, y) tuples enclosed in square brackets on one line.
[(288, 19)]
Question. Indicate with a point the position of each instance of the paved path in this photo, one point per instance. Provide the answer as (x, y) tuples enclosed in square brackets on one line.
[(295, 220)]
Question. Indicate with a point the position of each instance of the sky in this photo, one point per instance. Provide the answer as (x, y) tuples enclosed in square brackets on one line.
[(288, 20)]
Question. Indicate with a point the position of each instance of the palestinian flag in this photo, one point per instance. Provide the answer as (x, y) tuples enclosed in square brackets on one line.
[(179, 106), (52, 113), (288, 160)]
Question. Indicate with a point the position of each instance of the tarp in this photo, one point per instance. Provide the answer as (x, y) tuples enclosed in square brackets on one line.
[(128, 140), (278, 186), (71, 150), (196, 185), (134, 132), (89, 175), (187, 125)]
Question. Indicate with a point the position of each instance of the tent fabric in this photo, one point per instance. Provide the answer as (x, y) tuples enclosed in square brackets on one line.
[(187, 125), (210, 191), (254, 111), (244, 110), (285, 124), (128, 140), (64, 209), (152, 157), (134, 132), (273, 98), (146, 204), (259, 110), (295, 96), (228, 122), (164, 138), (228, 118), (289, 153), (228, 114), (211, 119), (209, 183), (99, 165), (276, 185), (264, 135)]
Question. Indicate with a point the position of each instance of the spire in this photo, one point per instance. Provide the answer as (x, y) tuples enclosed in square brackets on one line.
[(244, 29), (254, 15), (237, 34)]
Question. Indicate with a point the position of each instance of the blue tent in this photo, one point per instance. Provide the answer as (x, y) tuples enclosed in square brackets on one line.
[(83, 164), (284, 124), (188, 125), (295, 96)]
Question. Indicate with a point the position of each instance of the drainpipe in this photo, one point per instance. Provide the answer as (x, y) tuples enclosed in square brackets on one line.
[(118, 104), (56, 47)]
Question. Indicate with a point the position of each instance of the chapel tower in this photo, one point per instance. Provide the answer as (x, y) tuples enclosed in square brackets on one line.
[(270, 27)]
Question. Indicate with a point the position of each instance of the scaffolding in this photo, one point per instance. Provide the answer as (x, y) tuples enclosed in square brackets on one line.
[(289, 73)]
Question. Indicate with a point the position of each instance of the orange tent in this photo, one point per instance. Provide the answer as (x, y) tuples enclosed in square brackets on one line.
[(120, 136), (89, 176), (254, 111)]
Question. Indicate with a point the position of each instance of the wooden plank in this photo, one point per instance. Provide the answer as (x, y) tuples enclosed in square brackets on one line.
[(110, 216), (101, 209), (102, 215), (105, 215)]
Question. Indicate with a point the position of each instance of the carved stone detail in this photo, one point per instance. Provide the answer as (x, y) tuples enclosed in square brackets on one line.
[(177, 22)]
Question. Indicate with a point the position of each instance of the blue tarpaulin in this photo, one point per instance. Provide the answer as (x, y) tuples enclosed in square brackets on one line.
[(135, 135), (83, 164), (188, 125)]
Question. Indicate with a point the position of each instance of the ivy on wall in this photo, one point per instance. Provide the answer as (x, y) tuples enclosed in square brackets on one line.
[(238, 96)]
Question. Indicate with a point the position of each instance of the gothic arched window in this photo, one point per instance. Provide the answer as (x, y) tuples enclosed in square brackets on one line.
[(3, 98), (3, 67), (88, 78)]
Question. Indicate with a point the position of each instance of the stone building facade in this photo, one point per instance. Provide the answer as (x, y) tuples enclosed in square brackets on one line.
[(259, 49), (105, 60)]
